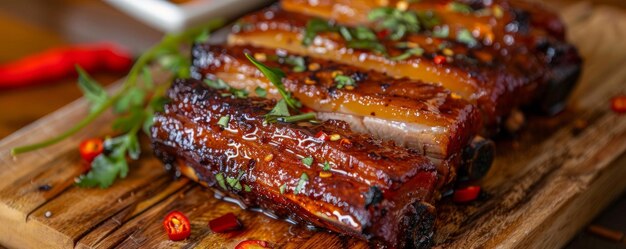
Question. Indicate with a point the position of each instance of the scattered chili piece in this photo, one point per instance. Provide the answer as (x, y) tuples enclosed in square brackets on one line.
[(382, 34), (91, 148), (225, 223), (618, 104), (325, 174), (345, 142), (439, 59), (177, 226), (252, 244), (322, 136), (466, 194)]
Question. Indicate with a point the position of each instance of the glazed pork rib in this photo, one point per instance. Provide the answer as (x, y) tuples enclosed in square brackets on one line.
[(424, 117), (479, 74), (356, 185)]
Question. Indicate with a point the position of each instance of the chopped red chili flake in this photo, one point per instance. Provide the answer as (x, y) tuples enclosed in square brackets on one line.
[(383, 34), (345, 142), (439, 59), (225, 223), (177, 226), (466, 194), (91, 148), (322, 136), (618, 104), (253, 244)]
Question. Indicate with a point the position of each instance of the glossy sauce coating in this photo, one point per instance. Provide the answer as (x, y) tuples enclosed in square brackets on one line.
[(481, 75), (373, 188), (447, 123)]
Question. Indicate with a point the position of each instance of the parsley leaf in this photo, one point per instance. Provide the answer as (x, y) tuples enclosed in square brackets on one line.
[(465, 36), (326, 166), (416, 51), (260, 92), (313, 27)]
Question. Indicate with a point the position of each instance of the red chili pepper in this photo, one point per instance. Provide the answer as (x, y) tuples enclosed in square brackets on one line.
[(383, 34), (322, 136), (177, 226), (91, 148), (225, 223), (253, 244), (439, 59), (59, 63), (466, 194), (618, 104)]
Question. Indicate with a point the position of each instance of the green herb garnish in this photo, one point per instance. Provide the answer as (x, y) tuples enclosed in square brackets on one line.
[(313, 27), (416, 51), (304, 178), (307, 161), (343, 81), (234, 183), (247, 188), (465, 36), (297, 62), (326, 166), (399, 22), (275, 76), (441, 32), (223, 121), (219, 177), (282, 188), (459, 7), (134, 103), (260, 92), (297, 118), (219, 84)]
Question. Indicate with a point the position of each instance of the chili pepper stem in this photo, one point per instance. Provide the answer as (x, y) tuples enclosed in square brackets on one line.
[(143, 60)]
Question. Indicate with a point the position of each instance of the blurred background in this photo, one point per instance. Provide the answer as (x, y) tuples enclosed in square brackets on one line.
[(33, 26)]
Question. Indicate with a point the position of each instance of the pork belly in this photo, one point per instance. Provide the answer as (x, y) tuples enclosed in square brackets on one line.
[(482, 75), (424, 117), (357, 185)]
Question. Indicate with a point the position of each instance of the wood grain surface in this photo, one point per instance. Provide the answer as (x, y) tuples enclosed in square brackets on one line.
[(545, 185)]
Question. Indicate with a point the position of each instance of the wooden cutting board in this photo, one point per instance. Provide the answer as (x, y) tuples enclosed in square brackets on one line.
[(545, 185)]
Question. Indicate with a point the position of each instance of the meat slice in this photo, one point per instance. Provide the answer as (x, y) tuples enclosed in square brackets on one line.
[(424, 117), (482, 75), (356, 185)]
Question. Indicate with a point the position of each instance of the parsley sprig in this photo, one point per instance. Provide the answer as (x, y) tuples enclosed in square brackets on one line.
[(135, 104), (401, 22)]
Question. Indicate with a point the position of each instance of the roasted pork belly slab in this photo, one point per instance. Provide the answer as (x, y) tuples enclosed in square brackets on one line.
[(356, 185), (424, 117), (483, 75)]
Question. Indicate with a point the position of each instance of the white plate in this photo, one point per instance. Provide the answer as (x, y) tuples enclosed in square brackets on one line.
[(170, 17)]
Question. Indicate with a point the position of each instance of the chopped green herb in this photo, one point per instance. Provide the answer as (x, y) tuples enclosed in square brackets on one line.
[(219, 84), (298, 63), (313, 27), (219, 177), (343, 81), (345, 33), (247, 188), (374, 46), (308, 161), (363, 33), (441, 31), (283, 188), (459, 7), (465, 36), (416, 51), (260, 92), (304, 178), (223, 121), (400, 22), (297, 118), (326, 166), (234, 183), (275, 76)]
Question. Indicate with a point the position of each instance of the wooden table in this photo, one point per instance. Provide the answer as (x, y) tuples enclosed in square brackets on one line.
[(30, 26)]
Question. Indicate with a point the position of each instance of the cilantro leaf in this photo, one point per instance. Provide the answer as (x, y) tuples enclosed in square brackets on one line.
[(275, 76), (93, 92), (308, 161), (304, 178)]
